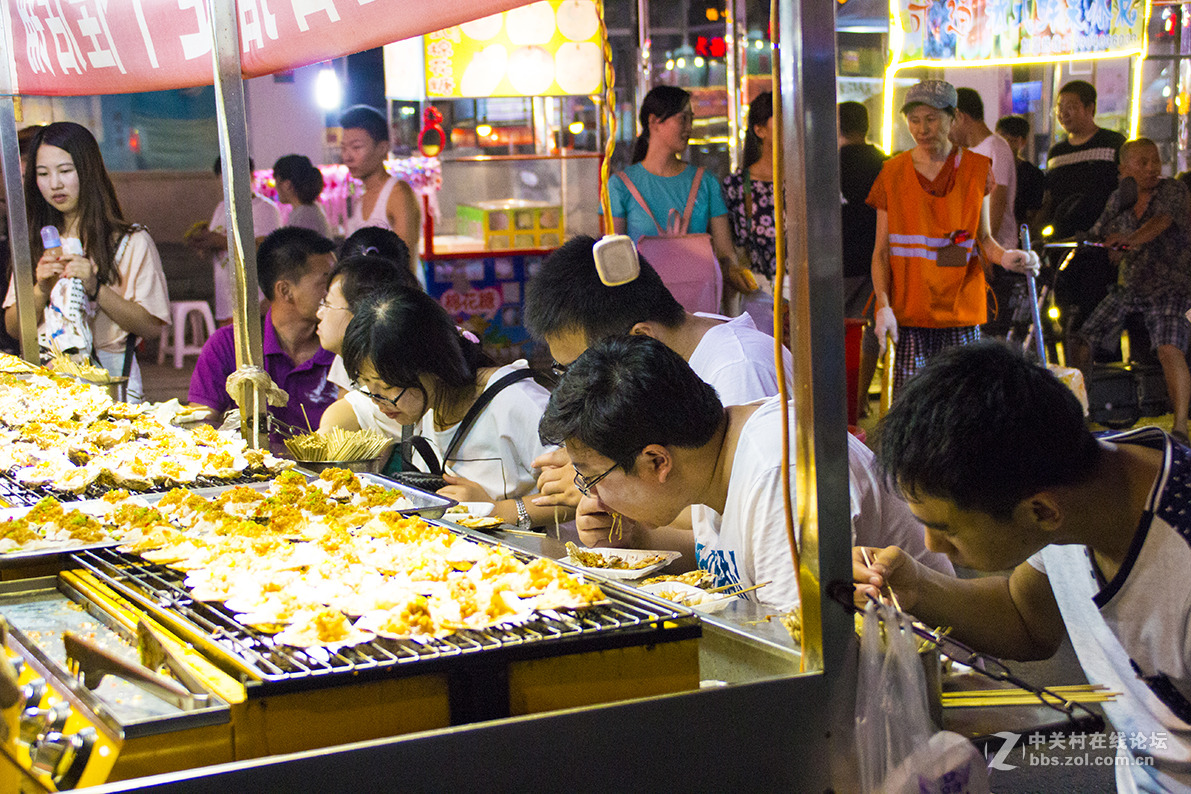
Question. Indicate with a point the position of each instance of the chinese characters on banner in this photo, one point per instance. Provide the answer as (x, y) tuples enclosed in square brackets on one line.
[(83, 47), (972, 30)]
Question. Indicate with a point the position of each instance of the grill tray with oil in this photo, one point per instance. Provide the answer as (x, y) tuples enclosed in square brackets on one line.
[(269, 667)]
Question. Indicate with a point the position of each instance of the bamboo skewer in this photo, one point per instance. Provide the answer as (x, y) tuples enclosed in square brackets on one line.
[(892, 595), (1075, 693), (722, 588)]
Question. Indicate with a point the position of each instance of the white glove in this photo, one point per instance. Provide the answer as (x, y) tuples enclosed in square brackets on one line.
[(885, 323), (1017, 261)]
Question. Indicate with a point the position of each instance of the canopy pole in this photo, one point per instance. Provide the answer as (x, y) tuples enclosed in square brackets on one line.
[(233, 150), (14, 190)]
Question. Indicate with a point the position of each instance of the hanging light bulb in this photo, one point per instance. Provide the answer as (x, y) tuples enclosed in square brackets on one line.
[(327, 91)]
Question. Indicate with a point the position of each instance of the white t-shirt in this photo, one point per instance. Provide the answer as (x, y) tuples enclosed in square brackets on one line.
[(266, 219), (142, 281), (737, 360), (1141, 618), (748, 544), (503, 442), (1004, 171)]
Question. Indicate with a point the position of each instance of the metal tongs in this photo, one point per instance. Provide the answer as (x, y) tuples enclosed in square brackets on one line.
[(983, 663), (91, 663)]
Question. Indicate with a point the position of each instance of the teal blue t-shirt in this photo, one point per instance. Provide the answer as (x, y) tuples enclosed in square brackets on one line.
[(662, 193)]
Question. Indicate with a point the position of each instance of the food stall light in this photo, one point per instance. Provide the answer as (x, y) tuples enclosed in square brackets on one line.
[(760, 45), (698, 61), (484, 130), (681, 63), (896, 36), (1047, 231), (327, 91), (713, 14), (408, 111), (1166, 92), (575, 127), (1053, 312), (670, 65)]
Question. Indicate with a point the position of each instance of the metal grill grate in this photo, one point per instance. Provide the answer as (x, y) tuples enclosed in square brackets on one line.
[(629, 619), (19, 495)]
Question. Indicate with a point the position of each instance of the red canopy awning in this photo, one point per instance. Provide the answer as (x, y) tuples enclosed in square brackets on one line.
[(85, 47)]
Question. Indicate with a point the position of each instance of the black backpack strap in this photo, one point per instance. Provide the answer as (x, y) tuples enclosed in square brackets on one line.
[(433, 466), (479, 405), (129, 354)]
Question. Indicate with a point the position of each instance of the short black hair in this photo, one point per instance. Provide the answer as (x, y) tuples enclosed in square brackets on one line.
[(369, 119), (984, 428), (627, 392), (377, 241), (968, 100), (363, 275), (1017, 126), (283, 255), (566, 295), (1082, 89), (853, 118), (405, 334)]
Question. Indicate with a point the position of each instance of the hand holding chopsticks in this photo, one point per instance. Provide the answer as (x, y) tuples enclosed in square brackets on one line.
[(868, 560)]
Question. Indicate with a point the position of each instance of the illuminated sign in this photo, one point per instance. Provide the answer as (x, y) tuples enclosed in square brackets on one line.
[(977, 30), (548, 48)]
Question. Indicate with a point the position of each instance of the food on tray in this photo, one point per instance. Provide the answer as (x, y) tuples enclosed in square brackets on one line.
[(64, 436), (15, 365), (303, 559), (593, 559), (696, 578), (49, 525), (338, 445), (83, 370)]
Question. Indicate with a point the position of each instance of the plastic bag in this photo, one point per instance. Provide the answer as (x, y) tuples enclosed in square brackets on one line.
[(900, 751)]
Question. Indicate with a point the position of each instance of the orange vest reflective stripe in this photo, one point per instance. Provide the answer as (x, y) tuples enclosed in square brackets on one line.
[(923, 294)]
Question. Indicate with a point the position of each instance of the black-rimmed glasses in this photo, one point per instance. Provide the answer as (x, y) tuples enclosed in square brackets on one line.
[(585, 485), (380, 398), (324, 305), (558, 369)]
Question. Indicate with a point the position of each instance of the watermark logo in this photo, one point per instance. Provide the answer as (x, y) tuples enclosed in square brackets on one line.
[(1061, 749)]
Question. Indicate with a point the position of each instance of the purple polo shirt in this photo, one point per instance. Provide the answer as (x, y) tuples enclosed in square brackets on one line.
[(305, 383)]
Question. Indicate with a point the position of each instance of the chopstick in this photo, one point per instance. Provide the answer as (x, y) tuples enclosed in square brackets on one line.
[(892, 595), (722, 588), (1077, 693)]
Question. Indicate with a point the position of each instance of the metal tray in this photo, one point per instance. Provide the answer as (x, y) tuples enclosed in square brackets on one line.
[(39, 610)]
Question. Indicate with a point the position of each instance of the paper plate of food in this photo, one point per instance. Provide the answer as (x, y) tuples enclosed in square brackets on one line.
[(474, 515), (620, 563), (689, 596)]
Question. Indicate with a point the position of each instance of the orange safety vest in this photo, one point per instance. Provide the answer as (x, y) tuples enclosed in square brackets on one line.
[(922, 294)]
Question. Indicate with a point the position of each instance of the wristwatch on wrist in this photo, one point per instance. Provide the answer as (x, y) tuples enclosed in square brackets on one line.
[(524, 523)]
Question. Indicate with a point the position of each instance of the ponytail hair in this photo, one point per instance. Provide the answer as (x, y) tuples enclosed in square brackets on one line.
[(662, 101), (760, 112)]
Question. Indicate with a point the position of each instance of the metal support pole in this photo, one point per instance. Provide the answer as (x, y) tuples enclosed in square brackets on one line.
[(736, 36), (808, 122), (14, 190), (233, 149), (644, 64)]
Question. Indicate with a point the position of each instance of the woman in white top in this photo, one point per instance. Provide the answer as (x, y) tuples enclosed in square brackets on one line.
[(404, 351), (68, 187), (299, 184)]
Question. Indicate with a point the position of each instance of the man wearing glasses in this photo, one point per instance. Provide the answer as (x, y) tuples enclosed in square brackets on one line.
[(648, 438), (569, 308), (293, 266)]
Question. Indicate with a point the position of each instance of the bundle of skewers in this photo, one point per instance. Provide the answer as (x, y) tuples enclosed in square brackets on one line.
[(338, 445)]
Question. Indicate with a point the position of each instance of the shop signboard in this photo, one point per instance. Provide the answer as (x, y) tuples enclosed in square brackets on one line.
[(86, 47), (548, 48), (979, 30)]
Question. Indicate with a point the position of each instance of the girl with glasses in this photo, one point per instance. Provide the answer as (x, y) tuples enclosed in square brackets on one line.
[(403, 349)]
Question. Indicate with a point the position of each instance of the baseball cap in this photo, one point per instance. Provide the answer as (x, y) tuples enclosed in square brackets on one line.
[(939, 94)]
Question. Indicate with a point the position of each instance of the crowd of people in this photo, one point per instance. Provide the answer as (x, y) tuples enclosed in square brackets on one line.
[(658, 426)]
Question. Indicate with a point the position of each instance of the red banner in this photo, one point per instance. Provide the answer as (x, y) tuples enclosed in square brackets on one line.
[(85, 47)]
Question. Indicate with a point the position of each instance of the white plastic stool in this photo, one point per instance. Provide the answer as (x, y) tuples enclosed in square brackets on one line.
[(194, 314)]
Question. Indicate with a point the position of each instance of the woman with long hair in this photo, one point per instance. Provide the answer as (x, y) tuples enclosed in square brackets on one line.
[(67, 187), (404, 352), (749, 195), (299, 184), (664, 181)]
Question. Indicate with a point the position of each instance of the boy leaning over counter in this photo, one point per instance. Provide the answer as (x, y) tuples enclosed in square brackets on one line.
[(993, 456)]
